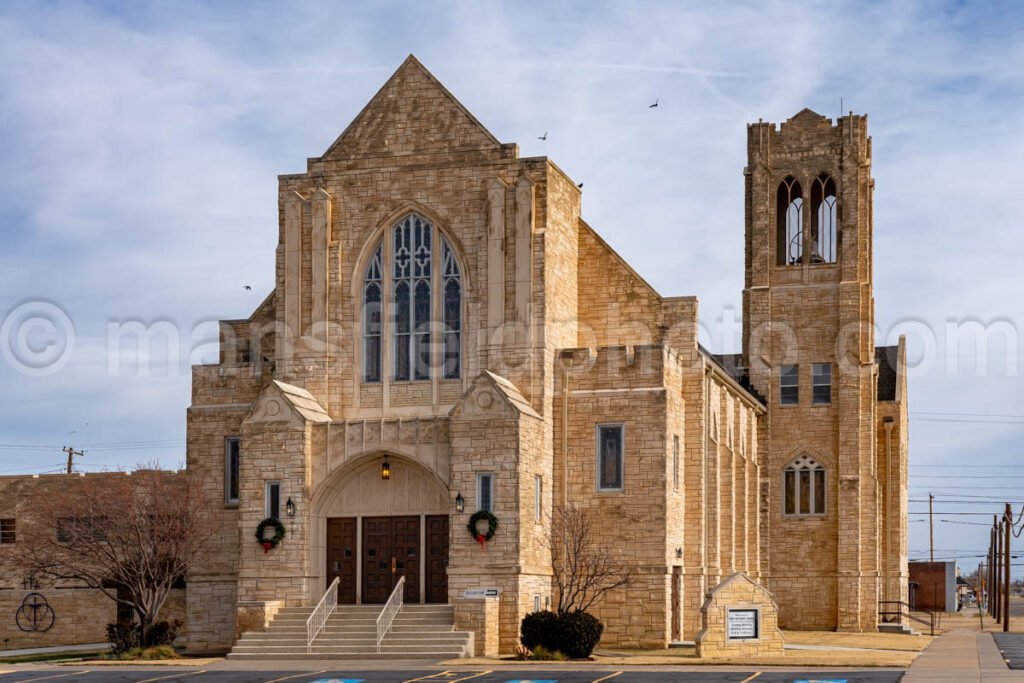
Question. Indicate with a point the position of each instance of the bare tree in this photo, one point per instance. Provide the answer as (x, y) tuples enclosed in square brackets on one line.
[(129, 535), (585, 568)]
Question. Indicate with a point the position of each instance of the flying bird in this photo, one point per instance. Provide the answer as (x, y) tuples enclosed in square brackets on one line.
[(247, 288), (543, 137), (579, 185), (652, 106)]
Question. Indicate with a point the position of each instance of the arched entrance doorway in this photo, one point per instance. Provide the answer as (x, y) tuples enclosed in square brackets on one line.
[(375, 531)]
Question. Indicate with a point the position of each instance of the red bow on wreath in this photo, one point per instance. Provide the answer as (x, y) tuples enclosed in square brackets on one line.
[(482, 540), (267, 545)]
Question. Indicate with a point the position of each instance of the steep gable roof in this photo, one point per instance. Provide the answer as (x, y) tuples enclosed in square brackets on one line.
[(412, 113)]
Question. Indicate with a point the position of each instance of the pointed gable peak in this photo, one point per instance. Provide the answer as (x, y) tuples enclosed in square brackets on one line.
[(807, 119), (412, 113)]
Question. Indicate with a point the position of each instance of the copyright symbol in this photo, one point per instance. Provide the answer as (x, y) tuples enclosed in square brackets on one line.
[(37, 338)]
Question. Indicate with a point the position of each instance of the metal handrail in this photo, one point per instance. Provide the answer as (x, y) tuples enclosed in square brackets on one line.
[(321, 613), (905, 610), (391, 609)]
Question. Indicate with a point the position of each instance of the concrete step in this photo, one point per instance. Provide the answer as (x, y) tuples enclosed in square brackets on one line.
[(897, 628), (432, 656)]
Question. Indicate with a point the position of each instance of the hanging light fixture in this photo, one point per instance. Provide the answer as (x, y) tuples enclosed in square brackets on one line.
[(460, 502), (385, 469), (289, 508)]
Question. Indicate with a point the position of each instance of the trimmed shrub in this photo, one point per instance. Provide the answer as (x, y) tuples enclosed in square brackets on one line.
[(542, 654), (163, 633), (122, 636), (539, 628), (578, 634), (574, 634)]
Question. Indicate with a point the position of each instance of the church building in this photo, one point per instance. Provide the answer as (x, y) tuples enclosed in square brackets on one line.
[(447, 334)]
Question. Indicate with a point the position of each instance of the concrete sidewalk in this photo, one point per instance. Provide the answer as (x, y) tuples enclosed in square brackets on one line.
[(963, 656)]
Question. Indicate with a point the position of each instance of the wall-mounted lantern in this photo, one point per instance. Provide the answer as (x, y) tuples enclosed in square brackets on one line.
[(289, 508), (385, 469), (460, 502)]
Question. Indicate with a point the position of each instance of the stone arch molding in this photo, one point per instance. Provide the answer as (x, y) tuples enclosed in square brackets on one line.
[(358, 490)]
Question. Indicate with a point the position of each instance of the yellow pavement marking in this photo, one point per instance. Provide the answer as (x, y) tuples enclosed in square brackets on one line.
[(276, 680), (617, 673), (750, 678), (482, 673), (177, 675), (421, 678), (47, 678)]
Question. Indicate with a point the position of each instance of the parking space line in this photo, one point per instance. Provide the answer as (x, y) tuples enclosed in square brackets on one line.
[(751, 677), (482, 673), (421, 678), (48, 678), (174, 675), (617, 673), (288, 678)]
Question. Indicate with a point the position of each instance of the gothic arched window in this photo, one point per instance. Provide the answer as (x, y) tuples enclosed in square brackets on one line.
[(824, 229), (372, 312), (420, 296), (803, 487), (789, 223)]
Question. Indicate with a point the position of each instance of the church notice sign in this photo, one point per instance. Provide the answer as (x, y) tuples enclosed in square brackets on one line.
[(743, 624)]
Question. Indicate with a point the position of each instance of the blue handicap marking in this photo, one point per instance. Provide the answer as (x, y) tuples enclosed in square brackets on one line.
[(821, 680), (338, 680), (532, 680)]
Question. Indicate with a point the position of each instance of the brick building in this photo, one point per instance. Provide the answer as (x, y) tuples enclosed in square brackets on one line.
[(441, 306)]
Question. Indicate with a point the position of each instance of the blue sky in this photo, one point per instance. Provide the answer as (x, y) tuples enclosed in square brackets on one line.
[(141, 144)]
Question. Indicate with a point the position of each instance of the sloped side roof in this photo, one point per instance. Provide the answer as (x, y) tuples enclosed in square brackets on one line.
[(303, 402), (511, 393)]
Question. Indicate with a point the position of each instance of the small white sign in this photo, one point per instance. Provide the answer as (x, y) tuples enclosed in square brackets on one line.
[(742, 624), (481, 593)]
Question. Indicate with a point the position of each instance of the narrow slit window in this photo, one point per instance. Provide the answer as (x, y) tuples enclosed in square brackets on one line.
[(372, 318), (609, 457), (273, 500), (675, 462), (485, 491), (538, 498), (232, 466)]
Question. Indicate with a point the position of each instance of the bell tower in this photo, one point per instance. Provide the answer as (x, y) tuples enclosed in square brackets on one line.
[(808, 344)]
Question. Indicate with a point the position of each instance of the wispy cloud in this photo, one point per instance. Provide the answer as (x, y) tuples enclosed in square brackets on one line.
[(142, 143)]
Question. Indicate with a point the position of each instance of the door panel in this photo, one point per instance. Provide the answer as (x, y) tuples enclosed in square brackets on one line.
[(437, 559), (376, 559), (391, 548), (341, 557)]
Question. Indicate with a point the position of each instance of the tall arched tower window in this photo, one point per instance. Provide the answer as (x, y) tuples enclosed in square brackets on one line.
[(803, 487), (789, 223), (823, 220), (425, 290), (372, 317)]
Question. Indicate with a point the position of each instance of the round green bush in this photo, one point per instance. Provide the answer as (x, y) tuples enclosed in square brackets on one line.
[(574, 634), (578, 634), (539, 628)]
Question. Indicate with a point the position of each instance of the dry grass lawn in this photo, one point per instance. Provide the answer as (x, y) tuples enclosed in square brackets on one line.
[(873, 641)]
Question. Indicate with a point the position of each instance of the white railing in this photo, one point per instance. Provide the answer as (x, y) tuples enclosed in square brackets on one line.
[(318, 619), (391, 609)]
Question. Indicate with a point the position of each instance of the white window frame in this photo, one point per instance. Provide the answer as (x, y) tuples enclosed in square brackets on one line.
[(480, 488), (622, 457), (8, 531), (266, 499), (799, 464), (229, 474), (815, 383)]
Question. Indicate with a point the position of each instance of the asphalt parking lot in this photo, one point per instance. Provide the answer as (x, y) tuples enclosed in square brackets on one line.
[(341, 675)]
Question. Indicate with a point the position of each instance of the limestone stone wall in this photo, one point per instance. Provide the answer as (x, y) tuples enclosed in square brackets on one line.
[(81, 616), (741, 592)]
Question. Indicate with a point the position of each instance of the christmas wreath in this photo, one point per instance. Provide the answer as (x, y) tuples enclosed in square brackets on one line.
[(492, 526), (273, 541)]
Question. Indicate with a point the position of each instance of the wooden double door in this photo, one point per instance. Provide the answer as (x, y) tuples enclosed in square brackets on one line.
[(387, 549)]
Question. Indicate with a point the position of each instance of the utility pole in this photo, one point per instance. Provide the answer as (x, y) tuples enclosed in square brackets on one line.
[(71, 457), (931, 528), (998, 583), (1006, 565), (988, 571)]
